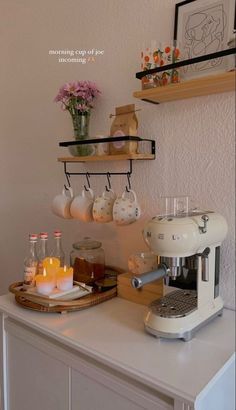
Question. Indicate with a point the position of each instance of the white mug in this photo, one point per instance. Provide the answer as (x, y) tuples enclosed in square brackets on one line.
[(142, 262), (103, 207), (126, 210), (62, 202), (82, 205)]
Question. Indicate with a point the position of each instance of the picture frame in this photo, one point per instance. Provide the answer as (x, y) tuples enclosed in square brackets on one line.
[(203, 27)]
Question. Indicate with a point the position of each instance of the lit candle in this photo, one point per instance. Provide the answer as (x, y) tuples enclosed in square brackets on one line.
[(51, 262), (65, 278), (52, 265), (44, 283)]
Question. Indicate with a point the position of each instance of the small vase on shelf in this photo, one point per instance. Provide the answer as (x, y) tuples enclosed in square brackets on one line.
[(81, 123), (77, 98)]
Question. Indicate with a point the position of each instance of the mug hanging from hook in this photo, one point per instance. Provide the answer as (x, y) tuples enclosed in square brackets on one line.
[(128, 187), (88, 182), (108, 188)]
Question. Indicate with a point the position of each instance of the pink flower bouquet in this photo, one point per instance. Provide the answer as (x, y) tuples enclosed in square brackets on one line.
[(77, 98)]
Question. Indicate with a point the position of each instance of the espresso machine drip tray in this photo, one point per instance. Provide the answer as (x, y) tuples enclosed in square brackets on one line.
[(178, 303)]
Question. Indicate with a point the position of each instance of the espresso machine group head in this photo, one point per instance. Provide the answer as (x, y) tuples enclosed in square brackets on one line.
[(186, 243)]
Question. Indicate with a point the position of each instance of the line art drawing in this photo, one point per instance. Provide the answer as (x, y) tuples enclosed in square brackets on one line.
[(204, 32)]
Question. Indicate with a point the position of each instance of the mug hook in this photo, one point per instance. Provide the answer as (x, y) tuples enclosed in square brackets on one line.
[(108, 188), (88, 182), (68, 180), (128, 187)]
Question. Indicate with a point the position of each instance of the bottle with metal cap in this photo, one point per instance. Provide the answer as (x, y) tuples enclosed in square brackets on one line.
[(88, 261), (30, 263), (57, 251), (43, 250)]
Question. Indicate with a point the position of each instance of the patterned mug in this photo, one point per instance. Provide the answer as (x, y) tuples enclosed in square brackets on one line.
[(103, 207), (125, 209)]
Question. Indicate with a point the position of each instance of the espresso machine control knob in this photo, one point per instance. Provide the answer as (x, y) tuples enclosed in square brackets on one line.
[(205, 219)]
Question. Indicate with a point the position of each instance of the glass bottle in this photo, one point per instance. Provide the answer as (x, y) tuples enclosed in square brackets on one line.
[(88, 261), (30, 263), (43, 250), (57, 251)]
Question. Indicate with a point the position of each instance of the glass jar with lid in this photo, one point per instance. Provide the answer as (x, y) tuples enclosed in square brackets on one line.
[(88, 261)]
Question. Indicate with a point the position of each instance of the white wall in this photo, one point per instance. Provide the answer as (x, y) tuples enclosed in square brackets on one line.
[(195, 138)]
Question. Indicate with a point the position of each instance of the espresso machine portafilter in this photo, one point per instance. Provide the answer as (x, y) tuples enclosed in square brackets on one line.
[(171, 267), (186, 242)]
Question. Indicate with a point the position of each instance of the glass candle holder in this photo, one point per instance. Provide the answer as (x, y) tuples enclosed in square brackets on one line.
[(65, 278), (44, 283)]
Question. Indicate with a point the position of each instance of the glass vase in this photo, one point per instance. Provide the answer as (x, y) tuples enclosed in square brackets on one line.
[(81, 133)]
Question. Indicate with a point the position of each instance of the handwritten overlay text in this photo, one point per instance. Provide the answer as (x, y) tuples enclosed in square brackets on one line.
[(76, 56)]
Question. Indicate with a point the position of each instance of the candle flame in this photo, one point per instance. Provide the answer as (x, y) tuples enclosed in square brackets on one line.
[(64, 268), (50, 261), (44, 272)]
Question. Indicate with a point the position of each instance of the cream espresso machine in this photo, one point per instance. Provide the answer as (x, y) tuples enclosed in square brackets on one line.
[(187, 243)]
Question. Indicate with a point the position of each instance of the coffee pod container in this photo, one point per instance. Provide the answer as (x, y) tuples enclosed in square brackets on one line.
[(88, 261)]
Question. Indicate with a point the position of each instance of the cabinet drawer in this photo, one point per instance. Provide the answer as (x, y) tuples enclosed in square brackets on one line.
[(105, 394)]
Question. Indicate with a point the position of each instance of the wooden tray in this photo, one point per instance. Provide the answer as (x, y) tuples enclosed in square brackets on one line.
[(41, 303)]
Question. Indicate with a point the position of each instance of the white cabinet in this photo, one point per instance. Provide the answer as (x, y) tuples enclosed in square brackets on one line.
[(42, 374), (101, 359)]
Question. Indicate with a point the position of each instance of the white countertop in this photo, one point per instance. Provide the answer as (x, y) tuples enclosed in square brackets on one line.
[(113, 333)]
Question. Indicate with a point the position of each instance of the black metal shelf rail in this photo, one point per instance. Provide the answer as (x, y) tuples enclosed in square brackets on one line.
[(108, 174), (110, 139), (183, 63)]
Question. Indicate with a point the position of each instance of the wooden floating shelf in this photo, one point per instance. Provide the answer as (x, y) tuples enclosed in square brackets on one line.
[(212, 84), (101, 158)]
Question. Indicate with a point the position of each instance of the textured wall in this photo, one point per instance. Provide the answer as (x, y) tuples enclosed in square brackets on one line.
[(195, 138)]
